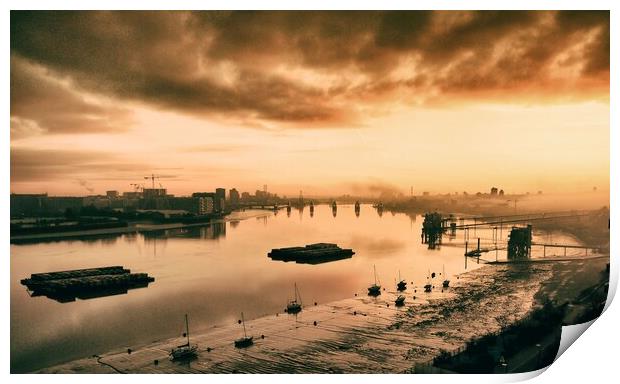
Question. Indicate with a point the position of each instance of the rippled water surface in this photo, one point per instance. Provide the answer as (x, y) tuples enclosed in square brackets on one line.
[(214, 272)]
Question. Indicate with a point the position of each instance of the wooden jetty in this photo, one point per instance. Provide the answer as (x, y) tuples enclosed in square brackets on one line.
[(65, 286), (312, 253)]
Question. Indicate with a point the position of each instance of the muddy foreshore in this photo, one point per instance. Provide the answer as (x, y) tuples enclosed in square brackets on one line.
[(364, 334)]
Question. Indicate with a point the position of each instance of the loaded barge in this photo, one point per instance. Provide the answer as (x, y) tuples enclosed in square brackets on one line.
[(66, 286), (311, 254)]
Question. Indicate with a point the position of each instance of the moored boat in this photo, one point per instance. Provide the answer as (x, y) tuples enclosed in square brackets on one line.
[(402, 284), (186, 350), (428, 287), (294, 306), (375, 289), (245, 341), (446, 282)]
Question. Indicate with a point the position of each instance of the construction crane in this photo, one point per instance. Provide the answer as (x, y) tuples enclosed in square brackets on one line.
[(152, 177), (136, 187)]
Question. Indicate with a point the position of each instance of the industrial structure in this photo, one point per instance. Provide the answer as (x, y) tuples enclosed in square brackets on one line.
[(520, 242)]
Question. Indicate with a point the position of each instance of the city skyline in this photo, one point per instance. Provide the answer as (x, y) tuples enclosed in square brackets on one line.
[(341, 103)]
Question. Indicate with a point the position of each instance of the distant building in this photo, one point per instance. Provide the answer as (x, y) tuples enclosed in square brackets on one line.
[(132, 195), (111, 194), (151, 193), (233, 195), (246, 196), (208, 202), (194, 205), (493, 191), (425, 194), (96, 201), (220, 199), (27, 204)]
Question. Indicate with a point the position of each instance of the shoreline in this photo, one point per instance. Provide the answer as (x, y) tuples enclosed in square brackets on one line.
[(359, 334), (132, 228), (532, 343)]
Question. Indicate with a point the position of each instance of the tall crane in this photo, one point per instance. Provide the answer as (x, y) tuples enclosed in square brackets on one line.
[(152, 177)]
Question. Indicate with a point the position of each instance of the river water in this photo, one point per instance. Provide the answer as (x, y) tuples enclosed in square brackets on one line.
[(216, 271)]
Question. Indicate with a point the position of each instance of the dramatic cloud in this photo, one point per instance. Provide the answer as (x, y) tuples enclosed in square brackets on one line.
[(42, 104), (311, 68)]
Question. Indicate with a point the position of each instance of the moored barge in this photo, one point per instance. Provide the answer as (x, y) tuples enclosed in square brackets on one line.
[(311, 253)]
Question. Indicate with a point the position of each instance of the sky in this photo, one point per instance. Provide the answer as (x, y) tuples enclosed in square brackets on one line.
[(324, 102)]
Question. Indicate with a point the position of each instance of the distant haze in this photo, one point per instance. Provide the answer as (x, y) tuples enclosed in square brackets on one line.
[(327, 103)]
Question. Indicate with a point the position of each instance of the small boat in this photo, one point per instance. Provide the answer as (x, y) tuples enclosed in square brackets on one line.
[(311, 208), (446, 282), (402, 284), (400, 300), (186, 350), (374, 290), (428, 287), (245, 341), (294, 306)]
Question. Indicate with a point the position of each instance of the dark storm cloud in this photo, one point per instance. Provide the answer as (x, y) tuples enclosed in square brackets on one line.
[(236, 63), (29, 164), (40, 104)]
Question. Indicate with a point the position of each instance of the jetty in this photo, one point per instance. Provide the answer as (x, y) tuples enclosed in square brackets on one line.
[(66, 286), (311, 254)]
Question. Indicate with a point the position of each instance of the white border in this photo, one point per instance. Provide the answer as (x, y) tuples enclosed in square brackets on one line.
[(593, 358)]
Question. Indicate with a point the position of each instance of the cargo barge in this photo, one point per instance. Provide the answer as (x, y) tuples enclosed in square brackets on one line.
[(66, 286), (311, 254)]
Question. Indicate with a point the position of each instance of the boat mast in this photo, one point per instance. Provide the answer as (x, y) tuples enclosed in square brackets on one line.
[(374, 267), (243, 322), (187, 329), (297, 294)]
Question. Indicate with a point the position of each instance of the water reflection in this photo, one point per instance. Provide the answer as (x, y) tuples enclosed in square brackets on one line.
[(86, 295), (198, 270), (211, 231)]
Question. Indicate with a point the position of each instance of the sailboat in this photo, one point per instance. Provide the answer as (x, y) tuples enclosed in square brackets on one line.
[(402, 284), (374, 290), (446, 282), (186, 350), (245, 341), (428, 287), (294, 306)]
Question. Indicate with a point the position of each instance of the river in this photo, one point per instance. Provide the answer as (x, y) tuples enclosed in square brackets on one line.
[(214, 272)]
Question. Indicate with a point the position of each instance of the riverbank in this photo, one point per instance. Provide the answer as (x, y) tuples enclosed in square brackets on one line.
[(575, 294), (131, 228), (363, 334)]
